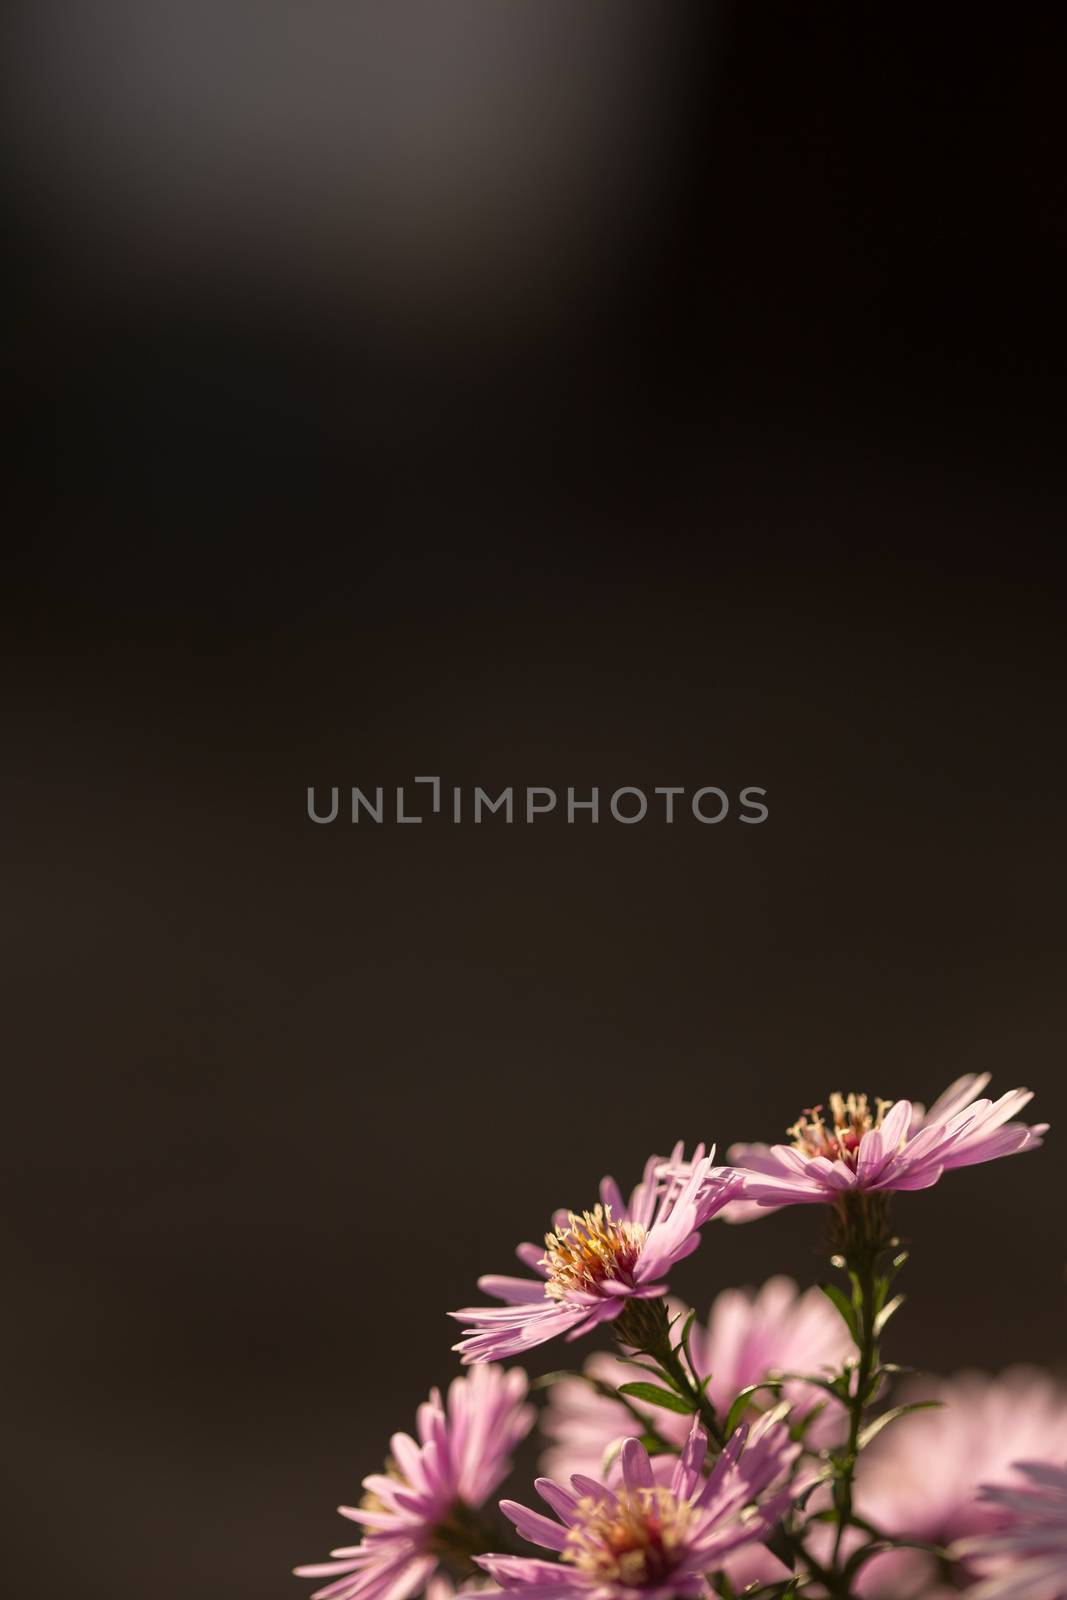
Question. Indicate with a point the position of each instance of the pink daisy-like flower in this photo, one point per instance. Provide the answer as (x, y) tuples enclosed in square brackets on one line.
[(751, 1336), (646, 1538), (594, 1262), (920, 1479), (895, 1145), (1029, 1554), (418, 1509)]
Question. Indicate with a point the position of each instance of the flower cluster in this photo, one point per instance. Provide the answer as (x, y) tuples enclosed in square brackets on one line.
[(760, 1454)]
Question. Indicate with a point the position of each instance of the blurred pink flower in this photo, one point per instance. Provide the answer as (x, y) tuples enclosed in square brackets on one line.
[(751, 1335), (653, 1539), (463, 1452), (894, 1146), (592, 1264), (1029, 1554), (920, 1479)]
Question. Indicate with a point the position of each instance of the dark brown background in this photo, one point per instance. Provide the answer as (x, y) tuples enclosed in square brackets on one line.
[(536, 394)]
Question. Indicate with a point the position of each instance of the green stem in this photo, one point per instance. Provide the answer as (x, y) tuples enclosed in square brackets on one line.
[(644, 1326), (863, 1267), (789, 1547), (673, 1367)]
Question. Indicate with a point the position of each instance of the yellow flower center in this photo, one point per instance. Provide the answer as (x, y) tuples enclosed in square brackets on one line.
[(838, 1139), (590, 1249), (370, 1501), (634, 1539)]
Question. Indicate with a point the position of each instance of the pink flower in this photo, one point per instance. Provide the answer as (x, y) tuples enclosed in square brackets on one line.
[(463, 1453), (595, 1262), (646, 1538), (894, 1146), (1029, 1554), (750, 1336), (920, 1479)]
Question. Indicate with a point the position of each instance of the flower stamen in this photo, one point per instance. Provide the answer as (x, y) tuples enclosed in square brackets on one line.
[(632, 1538), (839, 1139), (593, 1247)]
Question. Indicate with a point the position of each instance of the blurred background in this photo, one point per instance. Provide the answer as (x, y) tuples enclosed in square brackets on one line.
[(530, 394)]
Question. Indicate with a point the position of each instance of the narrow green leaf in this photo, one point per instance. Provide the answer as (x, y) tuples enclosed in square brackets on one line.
[(810, 1487), (654, 1396), (886, 1312), (740, 1404), (873, 1429), (865, 1527), (799, 1426), (880, 1544), (843, 1305), (837, 1387), (683, 1345), (654, 1372)]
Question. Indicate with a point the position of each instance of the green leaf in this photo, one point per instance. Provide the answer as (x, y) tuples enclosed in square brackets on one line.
[(799, 1426), (880, 1544), (873, 1429), (810, 1486), (838, 1387), (655, 1372), (843, 1304), (865, 1527), (652, 1395), (683, 1346), (547, 1379), (740, 1404), (886, 1312)]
